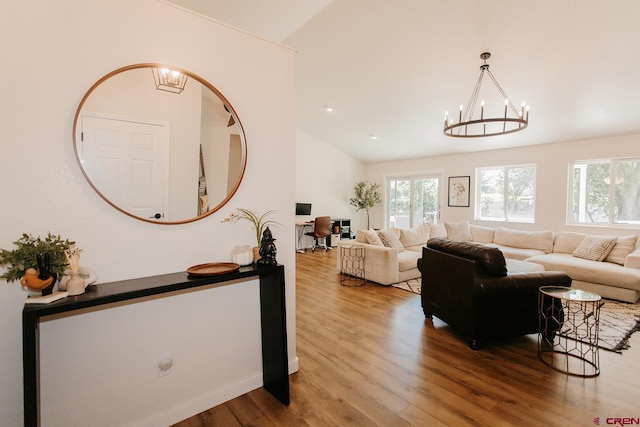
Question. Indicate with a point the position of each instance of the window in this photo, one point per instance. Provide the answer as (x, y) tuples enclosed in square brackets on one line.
[(506, 193), (412, 201), (604, 192)]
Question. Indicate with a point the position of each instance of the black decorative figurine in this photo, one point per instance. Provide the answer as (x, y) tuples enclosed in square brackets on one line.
[(44, 268), (267, 249)]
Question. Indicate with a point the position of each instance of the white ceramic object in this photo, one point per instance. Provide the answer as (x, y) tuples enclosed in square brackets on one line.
[(75, 284), (242, 255), (89, 276)]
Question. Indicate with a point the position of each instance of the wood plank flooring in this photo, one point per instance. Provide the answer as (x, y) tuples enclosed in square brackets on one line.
[(368, 357)]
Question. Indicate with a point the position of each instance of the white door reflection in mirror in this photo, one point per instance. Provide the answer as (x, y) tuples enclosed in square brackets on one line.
[(205, 146), (127, 160)]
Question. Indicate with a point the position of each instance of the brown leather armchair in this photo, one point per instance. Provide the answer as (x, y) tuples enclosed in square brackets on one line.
[(467, 285)]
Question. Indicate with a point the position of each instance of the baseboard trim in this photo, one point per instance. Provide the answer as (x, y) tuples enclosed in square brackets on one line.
[(209, 400)]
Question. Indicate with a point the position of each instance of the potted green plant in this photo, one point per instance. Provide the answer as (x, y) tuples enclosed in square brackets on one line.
[(45, 257), (367, 195)]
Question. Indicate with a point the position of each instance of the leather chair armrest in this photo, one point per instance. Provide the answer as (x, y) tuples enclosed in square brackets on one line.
[(518, 283)]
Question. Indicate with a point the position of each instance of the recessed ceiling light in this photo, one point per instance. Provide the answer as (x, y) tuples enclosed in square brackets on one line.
[(372, 136), (328, 109)]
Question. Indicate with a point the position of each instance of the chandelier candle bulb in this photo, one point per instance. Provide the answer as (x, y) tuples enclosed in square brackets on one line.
[(460, 120), (482, 109)]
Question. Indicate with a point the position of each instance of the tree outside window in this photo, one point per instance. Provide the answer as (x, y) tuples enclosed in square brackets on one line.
[(413, 201), (506, 193), (605, 192)]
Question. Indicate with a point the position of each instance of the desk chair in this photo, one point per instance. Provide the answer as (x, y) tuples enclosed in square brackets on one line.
[(321, 230)]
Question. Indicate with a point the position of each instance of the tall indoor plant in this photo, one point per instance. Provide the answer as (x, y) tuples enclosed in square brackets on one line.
[(367, 195)]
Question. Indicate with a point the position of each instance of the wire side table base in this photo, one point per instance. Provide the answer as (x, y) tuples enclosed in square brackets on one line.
[(352, 265), (573, 348)]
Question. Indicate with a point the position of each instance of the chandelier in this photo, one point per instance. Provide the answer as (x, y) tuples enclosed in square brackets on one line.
[(469, 127), (169, 80)]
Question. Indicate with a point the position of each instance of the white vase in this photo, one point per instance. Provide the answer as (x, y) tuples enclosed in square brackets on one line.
[(75, 284), (242, 255)]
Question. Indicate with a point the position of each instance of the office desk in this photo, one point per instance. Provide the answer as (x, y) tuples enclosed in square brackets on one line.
[(301, 228)]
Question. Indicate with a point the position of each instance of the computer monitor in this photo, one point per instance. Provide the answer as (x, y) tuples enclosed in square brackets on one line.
[(303, 208)]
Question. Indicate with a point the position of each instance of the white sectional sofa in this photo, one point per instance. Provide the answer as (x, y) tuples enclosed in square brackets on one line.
[(606, 265), (387, 264)]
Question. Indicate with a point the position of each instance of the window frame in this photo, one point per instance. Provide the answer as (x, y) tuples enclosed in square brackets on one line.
[(505, 168), (611, 194), (412, 177)]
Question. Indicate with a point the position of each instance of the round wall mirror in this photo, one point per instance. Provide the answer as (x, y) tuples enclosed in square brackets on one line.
[(159, 143)]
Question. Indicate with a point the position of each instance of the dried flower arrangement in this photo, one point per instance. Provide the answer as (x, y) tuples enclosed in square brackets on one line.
[(258, 221)]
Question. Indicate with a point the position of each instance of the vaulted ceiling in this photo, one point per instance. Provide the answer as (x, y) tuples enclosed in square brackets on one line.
[(392, 69)]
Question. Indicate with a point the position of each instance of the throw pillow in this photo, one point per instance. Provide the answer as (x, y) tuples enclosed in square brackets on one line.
[(361, 236), (416, 236), (390, 240), (482, 234), (458, 231), (595, 248), (623, 247), (373, 238), (437, 230)]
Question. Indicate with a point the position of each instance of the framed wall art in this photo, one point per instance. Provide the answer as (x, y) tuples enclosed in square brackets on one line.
[(459, 191)]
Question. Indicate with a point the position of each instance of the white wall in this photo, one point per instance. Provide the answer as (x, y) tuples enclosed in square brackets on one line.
[(325, 177), (551, 186), (99, 368)]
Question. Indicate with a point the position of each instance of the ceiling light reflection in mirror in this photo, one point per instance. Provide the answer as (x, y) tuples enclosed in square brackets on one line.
[(166, 155)]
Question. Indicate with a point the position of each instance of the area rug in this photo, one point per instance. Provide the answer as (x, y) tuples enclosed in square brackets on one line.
[(618, 320), (413, 285)]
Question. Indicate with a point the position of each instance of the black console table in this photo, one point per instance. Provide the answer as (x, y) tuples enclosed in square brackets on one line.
[(272, 314)]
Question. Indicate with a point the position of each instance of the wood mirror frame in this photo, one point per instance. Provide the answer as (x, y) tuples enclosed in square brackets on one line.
[(164, 156)]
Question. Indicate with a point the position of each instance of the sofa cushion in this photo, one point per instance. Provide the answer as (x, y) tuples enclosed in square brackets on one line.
[(516, 253), (437, 230), (481, 234), (516, 266), (623, 247), (566, 242), (416, 236), (595, 248), (408, 260), (361, 236), (390, 239), (373, 238), (458, 231), (491, 260), (603, 273), (542, 240)]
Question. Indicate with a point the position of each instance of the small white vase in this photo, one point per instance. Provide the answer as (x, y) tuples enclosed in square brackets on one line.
[(75, 284), (242, 255)]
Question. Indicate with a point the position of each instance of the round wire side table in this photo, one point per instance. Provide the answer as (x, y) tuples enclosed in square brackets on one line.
[(351, 265), (568, 330)]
